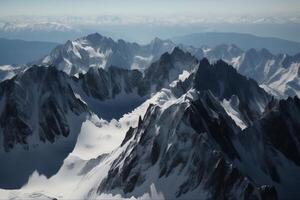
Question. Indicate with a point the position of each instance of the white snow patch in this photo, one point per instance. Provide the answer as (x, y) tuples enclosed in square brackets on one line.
[(185, 74), (233, 113)]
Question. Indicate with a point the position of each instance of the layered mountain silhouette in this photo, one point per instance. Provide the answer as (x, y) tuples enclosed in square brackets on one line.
[(197, 125), (277, 73)]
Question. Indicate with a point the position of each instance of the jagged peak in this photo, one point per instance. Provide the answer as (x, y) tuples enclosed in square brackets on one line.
[(40, 69), (265, 52), (156, 40), (165, 57), (251, 51), (68, 45), (219, 66), (204, 63), (68, 42), (95, 35), (282, 105), (95, 38), (221, 62), (159, 41), (177, 51), (293, 102), (224, 82), (121, 42)]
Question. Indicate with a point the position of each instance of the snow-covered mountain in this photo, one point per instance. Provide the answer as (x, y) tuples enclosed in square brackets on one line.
[(38, 99), (114, 91), (37, 102), (278, 74), (111, 92), (9, 71), (179, 149), (270, 71), (191, 146), (237, 92), (44, 108), (96, 50), (173, 128), (184, 148), (168, 68), (269, 149), (167, 145), (40, 118), (286, 80)]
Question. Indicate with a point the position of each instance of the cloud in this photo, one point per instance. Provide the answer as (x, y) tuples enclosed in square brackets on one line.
[(168, 20)]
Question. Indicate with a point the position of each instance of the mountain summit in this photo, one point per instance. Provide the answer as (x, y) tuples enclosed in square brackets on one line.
[(95, 50)]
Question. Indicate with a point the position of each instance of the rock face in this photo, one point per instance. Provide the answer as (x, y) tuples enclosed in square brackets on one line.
[(190, 141), (40, 98), (40, 119), (279, 73), (194, 141), (126, 89), (218, 134), (164, 71), (37, 102), (269, 148), (106, 84), (281, 126), (95, 50), (226, 83)]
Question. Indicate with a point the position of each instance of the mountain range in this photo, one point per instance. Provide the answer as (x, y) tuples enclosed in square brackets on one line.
[(54, 32), (277, 73), (96, 50), (242, 40), (105, 119)]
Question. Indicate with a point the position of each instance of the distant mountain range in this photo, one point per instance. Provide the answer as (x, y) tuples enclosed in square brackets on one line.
[(40, 31), (22, 52), (277, 73), (244, 41)]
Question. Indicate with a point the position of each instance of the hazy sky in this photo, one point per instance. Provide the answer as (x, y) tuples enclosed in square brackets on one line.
[(147, 7), (148, 18)]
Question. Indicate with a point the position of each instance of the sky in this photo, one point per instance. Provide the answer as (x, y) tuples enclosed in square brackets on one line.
[(149, 8), (162, 18)]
